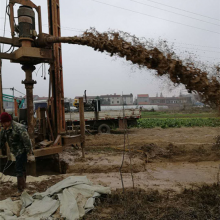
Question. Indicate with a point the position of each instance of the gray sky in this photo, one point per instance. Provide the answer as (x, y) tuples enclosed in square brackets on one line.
[(98, 73)]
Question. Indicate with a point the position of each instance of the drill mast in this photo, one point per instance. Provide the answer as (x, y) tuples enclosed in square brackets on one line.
[(34, 49)]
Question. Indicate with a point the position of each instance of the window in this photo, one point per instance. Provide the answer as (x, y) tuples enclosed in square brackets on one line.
[(118, 102), (112, 102)]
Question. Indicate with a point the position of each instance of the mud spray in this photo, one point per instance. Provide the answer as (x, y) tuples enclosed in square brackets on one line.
[(163, 61)]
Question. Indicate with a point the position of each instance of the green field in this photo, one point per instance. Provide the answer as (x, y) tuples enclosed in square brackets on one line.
[(178, 115), (178, 122)]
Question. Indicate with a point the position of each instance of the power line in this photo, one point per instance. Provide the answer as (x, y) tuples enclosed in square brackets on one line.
[(14, 90), (184, 10), (154, 16), (174, 12), (69, 28), (197, 45), (198, 49), (19, 92)]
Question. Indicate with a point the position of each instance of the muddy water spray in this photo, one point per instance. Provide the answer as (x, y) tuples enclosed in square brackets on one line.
[(116, 43)]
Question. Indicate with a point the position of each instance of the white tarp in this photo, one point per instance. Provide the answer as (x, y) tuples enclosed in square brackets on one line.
[(72, 197)]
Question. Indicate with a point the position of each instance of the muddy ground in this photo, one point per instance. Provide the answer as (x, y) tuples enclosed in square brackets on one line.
[(173, 144), (176, 162)]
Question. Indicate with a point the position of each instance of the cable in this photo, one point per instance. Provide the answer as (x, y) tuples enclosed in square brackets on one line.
[(7, 50), (38, 69), (198, 49), (44, 71), (196, 45), (183, 10), (174, 13), (19, 92), (155, 17), (69, 29)]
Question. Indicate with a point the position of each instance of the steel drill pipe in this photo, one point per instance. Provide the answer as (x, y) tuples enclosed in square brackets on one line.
[(29, 85), (46, 40)]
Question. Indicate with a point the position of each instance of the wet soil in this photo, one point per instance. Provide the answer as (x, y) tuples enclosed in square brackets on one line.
[(167, 145), (8, 187)]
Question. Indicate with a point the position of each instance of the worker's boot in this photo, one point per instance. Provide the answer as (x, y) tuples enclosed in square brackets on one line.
[(20, 186)]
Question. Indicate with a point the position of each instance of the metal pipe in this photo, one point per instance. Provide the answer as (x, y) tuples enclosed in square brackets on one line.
[(29, 85), (12, 19), (39, 19)]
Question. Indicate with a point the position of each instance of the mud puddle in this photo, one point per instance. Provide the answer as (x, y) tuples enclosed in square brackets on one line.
[(163, 176)]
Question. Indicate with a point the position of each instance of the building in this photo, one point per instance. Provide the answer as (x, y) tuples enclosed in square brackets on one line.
[(111, 99), (128, 99), (143, 99), (171, 102), (87, 97)]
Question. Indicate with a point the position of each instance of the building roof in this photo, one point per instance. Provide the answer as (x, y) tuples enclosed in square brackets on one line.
[(34, 96), (42, 98), (143, 103), (88, 97), (142, 95), (108, 96), (130, 95), (163, 98)]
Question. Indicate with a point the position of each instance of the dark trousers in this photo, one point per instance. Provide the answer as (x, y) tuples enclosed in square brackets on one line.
[(20, 164)]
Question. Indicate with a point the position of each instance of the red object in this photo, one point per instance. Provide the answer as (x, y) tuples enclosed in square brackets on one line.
[(5, 117)]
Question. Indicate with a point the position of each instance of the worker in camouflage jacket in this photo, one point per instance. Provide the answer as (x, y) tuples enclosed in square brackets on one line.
[(16, 136)]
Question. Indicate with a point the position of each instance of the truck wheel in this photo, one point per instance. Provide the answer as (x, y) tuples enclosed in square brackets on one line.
[(104, 128)]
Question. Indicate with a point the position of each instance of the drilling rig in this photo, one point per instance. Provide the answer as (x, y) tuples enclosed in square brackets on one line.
[(34, 48)]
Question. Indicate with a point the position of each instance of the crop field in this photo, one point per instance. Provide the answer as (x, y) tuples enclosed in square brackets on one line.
[(178, 122), (179, 115)]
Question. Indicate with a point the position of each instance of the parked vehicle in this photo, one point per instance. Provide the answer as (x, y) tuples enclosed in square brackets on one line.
[(103, 121)]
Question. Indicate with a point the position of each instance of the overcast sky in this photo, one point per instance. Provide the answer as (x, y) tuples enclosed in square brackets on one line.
[(86, 69)]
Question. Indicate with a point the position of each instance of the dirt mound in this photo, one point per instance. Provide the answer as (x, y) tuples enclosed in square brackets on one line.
[(152, 150)]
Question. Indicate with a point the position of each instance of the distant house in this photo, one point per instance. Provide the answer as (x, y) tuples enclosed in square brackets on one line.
[(42, 98), (112, 99), (171, 101), (88, 97), (143, 99), (128, 99)]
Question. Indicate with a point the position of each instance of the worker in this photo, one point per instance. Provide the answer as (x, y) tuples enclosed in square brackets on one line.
[(16, 136)]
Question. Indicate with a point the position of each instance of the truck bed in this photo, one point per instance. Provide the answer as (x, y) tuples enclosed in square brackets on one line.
[(105, 115)]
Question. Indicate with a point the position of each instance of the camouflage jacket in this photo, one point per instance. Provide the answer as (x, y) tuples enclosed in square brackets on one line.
[(17, 138)]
